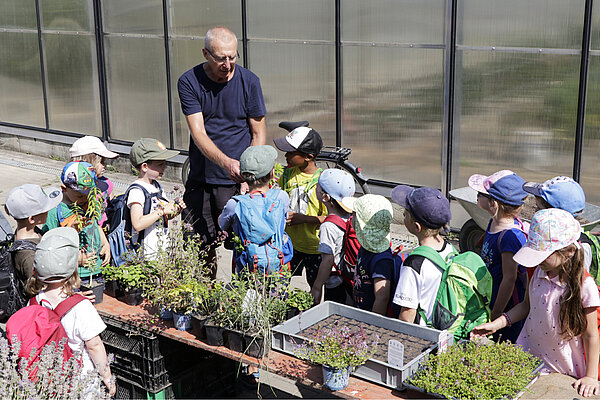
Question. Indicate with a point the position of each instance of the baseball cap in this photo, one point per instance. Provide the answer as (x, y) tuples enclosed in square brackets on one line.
[(373, 217), (27, 200), (88, 145), (560, 192), (257, 161), (303, 139), (504, 186), (339, 185), (551, 229), (428, 205), (146, 149), (80, 176), (56, 255)]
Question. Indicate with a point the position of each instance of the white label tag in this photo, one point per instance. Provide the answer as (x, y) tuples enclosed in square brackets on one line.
[(443, 341), (395, 353)]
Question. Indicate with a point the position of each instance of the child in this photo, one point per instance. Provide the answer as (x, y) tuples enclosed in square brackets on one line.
[(426, 212), (374, 272), (56, 279), (560, 305), (149, 157), (502, 196), (256, 166), (334, 186), (29, 205), (299, 180), (91, 149), (78, 178)]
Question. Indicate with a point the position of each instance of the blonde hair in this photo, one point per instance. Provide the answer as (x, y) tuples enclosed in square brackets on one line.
[(427, 232), (506, 209), (35, 285), (92, 158), (571, 312)]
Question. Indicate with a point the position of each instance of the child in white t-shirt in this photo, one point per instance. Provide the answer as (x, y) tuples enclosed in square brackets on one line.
[(149, 218)]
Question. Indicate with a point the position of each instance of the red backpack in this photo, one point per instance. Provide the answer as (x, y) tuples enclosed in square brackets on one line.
[(36, 326), (350, 248)]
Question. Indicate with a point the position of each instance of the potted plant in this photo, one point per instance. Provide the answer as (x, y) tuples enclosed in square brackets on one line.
[(338, 350), (183, 300), (131, 276), (298, 300), (473, 370)]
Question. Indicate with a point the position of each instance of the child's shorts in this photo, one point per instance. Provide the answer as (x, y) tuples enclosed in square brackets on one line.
[(309, 262)]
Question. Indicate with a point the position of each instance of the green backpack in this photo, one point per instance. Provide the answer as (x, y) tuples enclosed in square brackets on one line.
[(594, 243), (463, 298)]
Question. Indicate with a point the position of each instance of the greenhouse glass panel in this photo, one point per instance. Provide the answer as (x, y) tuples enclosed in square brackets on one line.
[(133, 16), (531, 23), (18, 14), (72, 83), (71, 15), (590, 179), (21, 94), (194, 18), (392, 117), (298, 83), (137, 88), (515, 111), (595, 44), (393, 21), (291, 19)]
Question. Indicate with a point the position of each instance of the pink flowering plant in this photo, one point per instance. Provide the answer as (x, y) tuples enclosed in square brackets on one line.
[(339, 347)]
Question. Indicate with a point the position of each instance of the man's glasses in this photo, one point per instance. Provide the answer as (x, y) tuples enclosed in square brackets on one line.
[(222, 60)]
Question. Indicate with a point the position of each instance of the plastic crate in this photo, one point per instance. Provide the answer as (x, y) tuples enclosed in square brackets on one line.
[(130, 390), (131, 339)]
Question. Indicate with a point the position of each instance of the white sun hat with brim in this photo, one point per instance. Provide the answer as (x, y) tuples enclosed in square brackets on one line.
[(373, 217)]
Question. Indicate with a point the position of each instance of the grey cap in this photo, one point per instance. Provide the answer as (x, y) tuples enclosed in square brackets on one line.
[(257, 161), (28, 200), (56, 256)]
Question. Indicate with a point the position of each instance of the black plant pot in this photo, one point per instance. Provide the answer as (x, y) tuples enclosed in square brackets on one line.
[(97, 289), (214, 334), (255, 346), (235, 340), (198, 322), (291, 313), (133, 297), (110, 288)]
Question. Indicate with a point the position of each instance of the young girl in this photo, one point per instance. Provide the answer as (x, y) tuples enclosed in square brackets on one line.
[(54, 280), (91, 149), (560, 304), (501, 195)]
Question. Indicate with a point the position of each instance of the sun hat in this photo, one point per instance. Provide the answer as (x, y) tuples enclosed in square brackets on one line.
[(339, 185), (551, 229), (81, 176), (89, 145), (560, 192), (28, 200), (257, 161), (56, 255), (504, 186), (146, 149), (373, 217), (428, 205), (303, 139)]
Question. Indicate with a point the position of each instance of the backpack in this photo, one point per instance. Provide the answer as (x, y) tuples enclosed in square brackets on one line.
[(119, 222), (36, 326), (11, 297), (267, 248), (350, 248), (594, 243), (463, 298)]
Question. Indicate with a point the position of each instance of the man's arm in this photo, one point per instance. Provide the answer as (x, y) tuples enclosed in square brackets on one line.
[(258, 130), (210, 149)]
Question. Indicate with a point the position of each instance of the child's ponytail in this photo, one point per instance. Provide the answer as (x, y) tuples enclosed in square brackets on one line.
[(571, 315)]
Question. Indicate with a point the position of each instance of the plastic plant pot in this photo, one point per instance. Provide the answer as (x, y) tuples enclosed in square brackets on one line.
[(335, 378), (183, 322), (214, 334)]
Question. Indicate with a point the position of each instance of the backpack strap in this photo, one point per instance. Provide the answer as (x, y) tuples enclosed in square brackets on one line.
[(520, 227), (337, 221), (146, 206), (432, 255), (68, 303)]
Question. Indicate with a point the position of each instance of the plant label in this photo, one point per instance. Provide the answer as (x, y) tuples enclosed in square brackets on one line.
[(443, 341), (395, 353)]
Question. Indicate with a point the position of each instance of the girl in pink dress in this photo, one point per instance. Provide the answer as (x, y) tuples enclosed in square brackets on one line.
[(561, 326)]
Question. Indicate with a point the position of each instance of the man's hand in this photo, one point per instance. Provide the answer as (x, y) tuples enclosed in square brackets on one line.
[(232, 167)]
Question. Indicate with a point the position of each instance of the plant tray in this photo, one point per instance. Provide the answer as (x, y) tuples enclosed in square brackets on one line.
[(289, 334)]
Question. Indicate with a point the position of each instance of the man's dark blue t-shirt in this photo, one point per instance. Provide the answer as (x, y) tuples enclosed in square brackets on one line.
[(368, 267), (226, 108)]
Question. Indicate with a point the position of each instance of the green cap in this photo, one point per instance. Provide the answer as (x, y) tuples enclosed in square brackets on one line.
[(257, 161), (146, 149)]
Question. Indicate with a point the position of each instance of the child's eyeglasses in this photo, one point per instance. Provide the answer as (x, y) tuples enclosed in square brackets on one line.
[(483, 195)]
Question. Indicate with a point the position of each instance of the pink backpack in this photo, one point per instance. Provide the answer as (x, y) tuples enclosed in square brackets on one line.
[(35, 326)]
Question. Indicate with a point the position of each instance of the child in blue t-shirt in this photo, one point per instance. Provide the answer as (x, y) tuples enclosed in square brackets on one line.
[(501, 195)]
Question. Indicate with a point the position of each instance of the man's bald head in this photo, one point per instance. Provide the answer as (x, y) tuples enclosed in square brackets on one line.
[(220, 33)]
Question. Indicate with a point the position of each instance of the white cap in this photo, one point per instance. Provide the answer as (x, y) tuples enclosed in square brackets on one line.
[(89, 145)]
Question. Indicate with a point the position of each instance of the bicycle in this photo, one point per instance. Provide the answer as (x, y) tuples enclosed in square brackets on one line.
[(329, 157)]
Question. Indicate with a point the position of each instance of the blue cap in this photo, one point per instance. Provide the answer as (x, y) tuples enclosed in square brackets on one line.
[(428, 205), (338, 184), (560, 192), (504, 186)]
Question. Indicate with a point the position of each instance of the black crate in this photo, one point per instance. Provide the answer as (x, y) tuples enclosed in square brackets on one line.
[(131, 339), (130, 390)]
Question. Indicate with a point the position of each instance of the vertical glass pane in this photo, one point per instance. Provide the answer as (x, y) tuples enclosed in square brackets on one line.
[(133, 16), (291, 19), (406, 21), (515, 111), (531, 23), (137, 95), (392, 116), (595, 26), (590, 179), (18, 14), (298, 83), (194, 18), (72, 83), (73, 15), (21, 95)]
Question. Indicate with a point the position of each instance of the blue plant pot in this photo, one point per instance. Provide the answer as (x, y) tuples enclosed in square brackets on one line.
[(183, 322), (165, 314), (336, 379)]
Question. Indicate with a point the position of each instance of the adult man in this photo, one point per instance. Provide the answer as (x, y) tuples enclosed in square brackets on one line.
[(225, 110)]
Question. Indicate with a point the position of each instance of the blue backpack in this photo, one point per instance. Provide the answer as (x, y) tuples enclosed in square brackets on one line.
[(267, 248)]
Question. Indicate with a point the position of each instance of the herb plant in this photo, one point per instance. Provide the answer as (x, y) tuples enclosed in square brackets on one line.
[(472, 370), (300, 299)]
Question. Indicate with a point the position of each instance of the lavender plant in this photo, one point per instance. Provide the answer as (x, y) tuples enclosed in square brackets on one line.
[(473, 370)]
